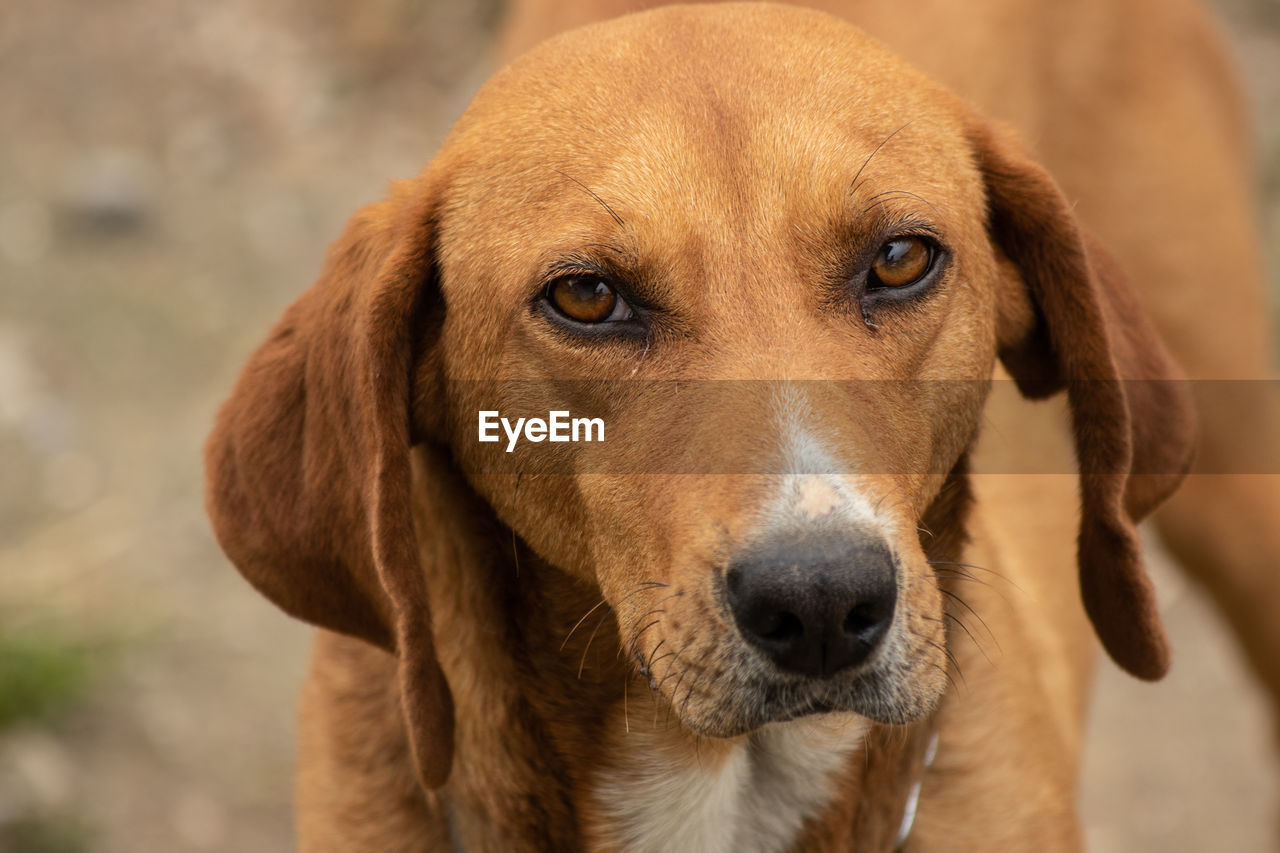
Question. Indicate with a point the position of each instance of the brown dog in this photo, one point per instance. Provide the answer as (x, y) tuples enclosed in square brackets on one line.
[(779, 266), (1133, 107)]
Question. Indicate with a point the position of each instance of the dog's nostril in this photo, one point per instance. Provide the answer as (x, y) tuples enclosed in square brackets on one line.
[(865, 618), (780, 626)]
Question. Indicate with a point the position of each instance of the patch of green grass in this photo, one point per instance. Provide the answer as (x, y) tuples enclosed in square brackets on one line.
[(41, 674)]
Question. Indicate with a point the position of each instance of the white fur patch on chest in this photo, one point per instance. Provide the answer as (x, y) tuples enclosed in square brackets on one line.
[(748, 796)]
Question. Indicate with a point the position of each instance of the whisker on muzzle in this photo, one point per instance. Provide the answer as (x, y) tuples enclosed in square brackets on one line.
[(641, 587), (958, 600), (950, 656)]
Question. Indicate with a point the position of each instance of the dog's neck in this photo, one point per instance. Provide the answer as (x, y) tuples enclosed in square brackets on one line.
[(752, 794)]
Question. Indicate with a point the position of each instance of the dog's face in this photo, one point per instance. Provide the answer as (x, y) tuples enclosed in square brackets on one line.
[(677, 225), (779, 265)]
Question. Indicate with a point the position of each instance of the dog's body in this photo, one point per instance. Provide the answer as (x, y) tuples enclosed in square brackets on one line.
[(592, 671)]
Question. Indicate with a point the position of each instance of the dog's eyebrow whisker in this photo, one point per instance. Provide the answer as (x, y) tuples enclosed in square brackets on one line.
[(889, 195), (613, 250), (612, 213), (853, 186)]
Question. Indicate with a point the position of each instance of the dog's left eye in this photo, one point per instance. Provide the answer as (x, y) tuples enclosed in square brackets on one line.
[(587, 299)]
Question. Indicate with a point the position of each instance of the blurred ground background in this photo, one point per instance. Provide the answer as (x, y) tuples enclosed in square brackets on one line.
[(170, 174)]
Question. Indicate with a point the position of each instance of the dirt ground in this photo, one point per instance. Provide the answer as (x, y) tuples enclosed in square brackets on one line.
[(170, 174)]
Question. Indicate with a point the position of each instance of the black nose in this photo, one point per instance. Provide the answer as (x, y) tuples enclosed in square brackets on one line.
[(814, 605)]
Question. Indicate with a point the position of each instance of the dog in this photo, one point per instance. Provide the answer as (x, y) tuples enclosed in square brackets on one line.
[(773, 608), (1189, 147)]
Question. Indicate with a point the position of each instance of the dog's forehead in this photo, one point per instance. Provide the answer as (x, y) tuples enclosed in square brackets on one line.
[(701, 142), (708, 94)]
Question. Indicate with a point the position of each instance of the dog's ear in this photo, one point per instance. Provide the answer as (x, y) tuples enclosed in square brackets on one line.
[(1079, 325), (308, 472)]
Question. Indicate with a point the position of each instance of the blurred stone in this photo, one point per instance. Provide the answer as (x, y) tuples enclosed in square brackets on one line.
[(110, 191), (25, 232)]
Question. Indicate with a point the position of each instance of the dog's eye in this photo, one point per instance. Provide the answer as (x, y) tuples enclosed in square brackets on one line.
[(587, 299), (902, 261)]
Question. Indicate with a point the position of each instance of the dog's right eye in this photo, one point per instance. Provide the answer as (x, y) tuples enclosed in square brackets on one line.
[(902, 262), (587, 299)]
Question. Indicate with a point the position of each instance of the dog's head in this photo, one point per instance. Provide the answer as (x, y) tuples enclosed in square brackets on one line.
[(780, 266)]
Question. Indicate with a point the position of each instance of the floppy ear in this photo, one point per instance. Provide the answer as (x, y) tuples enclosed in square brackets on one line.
[(308, 473), (1131, 414)]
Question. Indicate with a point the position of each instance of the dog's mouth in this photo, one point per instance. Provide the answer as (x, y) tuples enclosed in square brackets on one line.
[(740, 709), (725, 689)]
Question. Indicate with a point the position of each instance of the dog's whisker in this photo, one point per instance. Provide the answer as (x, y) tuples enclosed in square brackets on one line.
[(853, 186), (957, 575), (958, 570), (650, 625), (963, 566), (641, 587), (888, 195), (648, 665), (612, 213), (956, 598), (583, 663), (946, 672), (963, 627), (578, 624), (655, 661)]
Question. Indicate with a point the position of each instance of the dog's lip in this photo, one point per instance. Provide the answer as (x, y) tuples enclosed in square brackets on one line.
[(746, 709)]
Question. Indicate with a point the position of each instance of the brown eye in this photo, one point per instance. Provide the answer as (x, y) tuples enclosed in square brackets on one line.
[(587, 299), (902, 261)]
